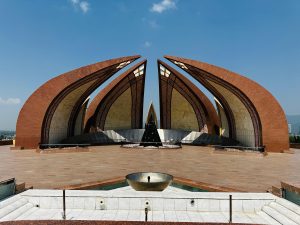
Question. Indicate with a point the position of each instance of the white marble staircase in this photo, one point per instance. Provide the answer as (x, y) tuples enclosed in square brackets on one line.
[(171, 205), (14, 207), (283, 212)]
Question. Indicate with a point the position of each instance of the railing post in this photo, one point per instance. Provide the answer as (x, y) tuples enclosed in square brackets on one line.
[(64, 204), (283, 193), (230, 208), (146, 214)]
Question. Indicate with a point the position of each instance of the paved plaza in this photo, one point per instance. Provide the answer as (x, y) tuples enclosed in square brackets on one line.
[(243, 171)]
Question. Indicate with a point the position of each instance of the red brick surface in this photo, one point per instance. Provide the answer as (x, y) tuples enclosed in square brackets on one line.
[(93, 108), (273, 121), (212, 118), (31, 116)]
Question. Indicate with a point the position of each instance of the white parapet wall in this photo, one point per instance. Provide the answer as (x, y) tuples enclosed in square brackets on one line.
[(171, 205), (202, 201)]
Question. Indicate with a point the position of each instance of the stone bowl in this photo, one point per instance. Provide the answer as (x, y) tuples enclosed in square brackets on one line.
[(149, 181)]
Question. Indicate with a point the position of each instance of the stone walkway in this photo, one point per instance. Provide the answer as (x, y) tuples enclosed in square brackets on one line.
[(243, 171)]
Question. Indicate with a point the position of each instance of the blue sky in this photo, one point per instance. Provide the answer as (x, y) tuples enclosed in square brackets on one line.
[(40, 39)]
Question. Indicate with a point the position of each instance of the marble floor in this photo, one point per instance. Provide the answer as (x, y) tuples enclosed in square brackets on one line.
[(251, 172)]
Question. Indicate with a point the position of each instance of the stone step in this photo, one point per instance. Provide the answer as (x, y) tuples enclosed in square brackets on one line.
[(9, 200), (267, 218), (11, 207), (18, 212), (282, 219), (27, 213), (289, 205), (256, 218), (286, 212)]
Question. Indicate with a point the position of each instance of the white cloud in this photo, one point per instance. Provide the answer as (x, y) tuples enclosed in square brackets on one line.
[(162, 6), (10, 101), (84, 6), (147, 44), (75, 1)]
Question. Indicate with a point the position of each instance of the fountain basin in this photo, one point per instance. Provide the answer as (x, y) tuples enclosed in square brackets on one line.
[(164, 146), (149, 181)]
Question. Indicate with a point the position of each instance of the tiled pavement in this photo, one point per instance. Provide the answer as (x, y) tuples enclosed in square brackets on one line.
[(243, 171)]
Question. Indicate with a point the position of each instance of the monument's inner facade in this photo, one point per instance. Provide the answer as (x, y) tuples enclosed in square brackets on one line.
[(60, 112)]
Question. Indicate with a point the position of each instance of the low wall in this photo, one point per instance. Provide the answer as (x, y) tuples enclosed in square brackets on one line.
[(6, 142), (295, 145), (157, 201)]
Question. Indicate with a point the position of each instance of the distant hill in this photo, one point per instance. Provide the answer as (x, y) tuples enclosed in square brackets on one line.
[(295, 121)]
